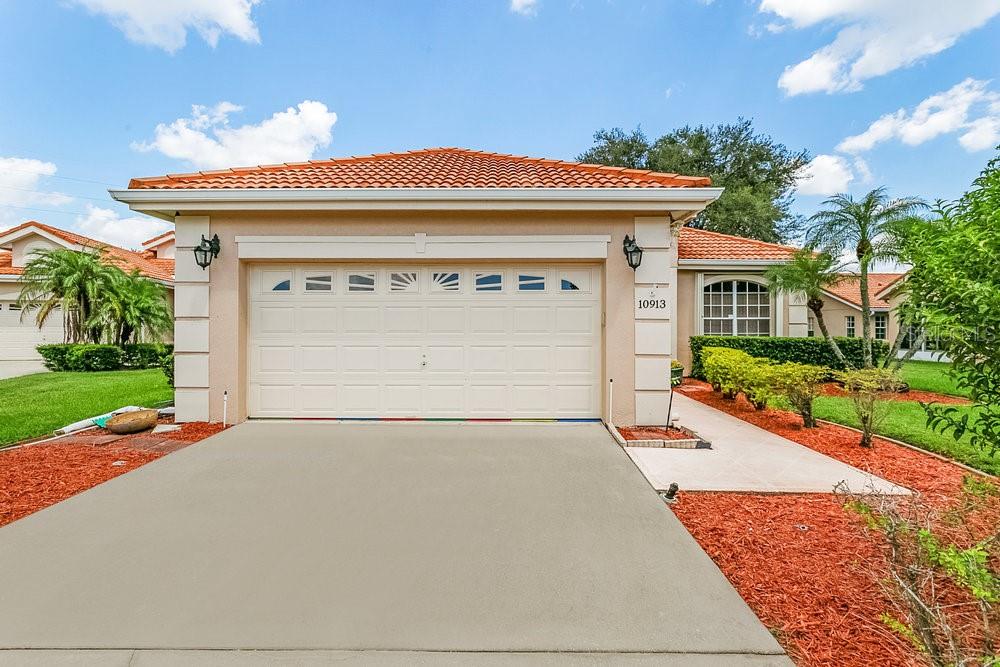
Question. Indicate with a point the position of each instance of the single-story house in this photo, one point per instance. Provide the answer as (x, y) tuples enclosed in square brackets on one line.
[(19, 335), (448, 283)]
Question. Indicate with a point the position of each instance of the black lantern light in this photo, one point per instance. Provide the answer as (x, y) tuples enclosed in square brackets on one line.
[(206, 251), (633, 253)]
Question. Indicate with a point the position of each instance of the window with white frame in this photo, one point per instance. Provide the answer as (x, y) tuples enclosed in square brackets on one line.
[(881, 326), (811, 329), (849, 326), (736, 308)]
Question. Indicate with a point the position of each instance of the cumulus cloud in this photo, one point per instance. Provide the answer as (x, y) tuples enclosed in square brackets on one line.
[(206, 140), (22, 184), (875, 37), (165, 23), (825, 175), (524, 7), (104, 224), (969, 109)]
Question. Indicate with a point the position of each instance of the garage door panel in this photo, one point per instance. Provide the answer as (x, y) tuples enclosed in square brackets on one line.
[(425, 341)]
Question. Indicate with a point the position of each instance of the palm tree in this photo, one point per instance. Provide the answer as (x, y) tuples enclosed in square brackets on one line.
[(867, 224), (134, 309), (68, 280), (809, 273)]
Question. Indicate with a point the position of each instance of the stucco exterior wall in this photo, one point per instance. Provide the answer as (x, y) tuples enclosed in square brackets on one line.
[(22, 248), (212, 305)]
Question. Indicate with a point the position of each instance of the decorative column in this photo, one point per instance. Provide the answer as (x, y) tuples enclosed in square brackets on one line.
[(655, 304), (191, 288)]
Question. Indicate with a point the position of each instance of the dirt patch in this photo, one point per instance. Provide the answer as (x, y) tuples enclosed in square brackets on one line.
[(652, 433), (914, 395)]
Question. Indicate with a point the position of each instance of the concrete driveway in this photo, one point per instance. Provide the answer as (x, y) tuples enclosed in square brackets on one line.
[(373, 543)]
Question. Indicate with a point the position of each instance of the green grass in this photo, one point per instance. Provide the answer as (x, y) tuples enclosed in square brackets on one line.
[(35, 405), (931, 376), (906, 421)]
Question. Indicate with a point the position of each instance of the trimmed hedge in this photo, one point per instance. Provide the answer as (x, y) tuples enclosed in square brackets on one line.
[(87, 357), (167, 366), (813, 351)]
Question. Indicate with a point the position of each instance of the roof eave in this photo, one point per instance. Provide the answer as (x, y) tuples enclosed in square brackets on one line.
[(166, 202), (734, 263)]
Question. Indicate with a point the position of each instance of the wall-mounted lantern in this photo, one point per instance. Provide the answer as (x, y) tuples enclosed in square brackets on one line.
[(206, 251), (633, 253)]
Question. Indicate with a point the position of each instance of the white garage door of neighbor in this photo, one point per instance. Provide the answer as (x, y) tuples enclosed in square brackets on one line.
[(19, 335), (449, 341)]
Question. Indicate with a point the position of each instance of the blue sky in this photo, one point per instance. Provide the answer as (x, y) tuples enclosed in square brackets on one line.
[(85, 84)]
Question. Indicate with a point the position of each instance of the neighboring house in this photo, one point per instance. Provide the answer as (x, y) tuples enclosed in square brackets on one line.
[(19, 335), (448, 283)]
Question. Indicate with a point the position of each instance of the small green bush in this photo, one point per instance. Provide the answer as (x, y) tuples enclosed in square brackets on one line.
[(54, 356), (81, 357), (758, 382), (812, 351), (799, 384), (167, 365), (723, 369), (144, 355), (865, 387)]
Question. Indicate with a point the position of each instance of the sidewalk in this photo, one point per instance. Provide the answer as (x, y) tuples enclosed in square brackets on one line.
[(745, 457)]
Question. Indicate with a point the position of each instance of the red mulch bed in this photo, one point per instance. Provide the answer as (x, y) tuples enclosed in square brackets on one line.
[(652, 433), (915, 395), (801, 561), (36, 476)]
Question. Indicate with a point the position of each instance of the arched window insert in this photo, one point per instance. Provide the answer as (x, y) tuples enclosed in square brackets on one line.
[(736, 308)]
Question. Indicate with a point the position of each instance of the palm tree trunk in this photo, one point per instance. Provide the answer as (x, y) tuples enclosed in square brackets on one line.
[(896, 345), (818, 312), (866, 314)]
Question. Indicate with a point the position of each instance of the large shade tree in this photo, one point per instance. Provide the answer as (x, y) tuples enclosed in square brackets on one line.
[(810, 273), (868, 226), (758, 173)]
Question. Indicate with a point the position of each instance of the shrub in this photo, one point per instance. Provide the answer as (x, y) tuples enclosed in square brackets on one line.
[(865, 387), (54, 356), (812, 351), (81, 357), (758, 382), (167, 365), (723, 369), (800, 385), (144, 355)]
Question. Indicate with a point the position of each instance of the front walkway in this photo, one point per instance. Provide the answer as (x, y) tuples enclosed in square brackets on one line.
[(745, 457), (522, 544)]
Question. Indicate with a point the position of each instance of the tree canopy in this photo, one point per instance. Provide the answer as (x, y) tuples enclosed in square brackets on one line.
[(758, 173)]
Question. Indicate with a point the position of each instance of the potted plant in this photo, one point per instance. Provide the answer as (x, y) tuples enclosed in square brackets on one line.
[(676, 372)]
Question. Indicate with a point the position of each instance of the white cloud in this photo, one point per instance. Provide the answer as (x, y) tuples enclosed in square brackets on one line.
[(22, 185), (165, 23), (968, 108), (524, 7), (104, 224), (825, 175), (875, 37), (207, 141)]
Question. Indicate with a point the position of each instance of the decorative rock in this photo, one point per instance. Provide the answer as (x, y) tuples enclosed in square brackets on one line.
[(132, 422)]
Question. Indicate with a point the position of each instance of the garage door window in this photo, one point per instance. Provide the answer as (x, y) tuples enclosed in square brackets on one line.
[(574, 281), (319, 283), (282, 286), (527, 282), (360, 282), (403, 282), (446, 281), (489, 282)]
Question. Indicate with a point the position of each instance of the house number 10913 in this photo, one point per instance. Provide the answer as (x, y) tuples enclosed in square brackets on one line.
[(652, 303)]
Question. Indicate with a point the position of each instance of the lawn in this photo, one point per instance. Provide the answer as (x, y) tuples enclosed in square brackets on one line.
[(906, 421), (35, 405), (931, 376)]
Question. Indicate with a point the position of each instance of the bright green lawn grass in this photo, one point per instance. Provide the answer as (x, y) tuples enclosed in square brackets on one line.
[(931, 376), (906, 421), (35, 405)]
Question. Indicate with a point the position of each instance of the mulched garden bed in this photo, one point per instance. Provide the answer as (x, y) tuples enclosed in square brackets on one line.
[(652, 433), (803, 562), (33, 477), (914, 395)]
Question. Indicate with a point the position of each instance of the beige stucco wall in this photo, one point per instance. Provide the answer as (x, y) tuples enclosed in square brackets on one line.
[(229, 280), (835, 313), (22, 248)]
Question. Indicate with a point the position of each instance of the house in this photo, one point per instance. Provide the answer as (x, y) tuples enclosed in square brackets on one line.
[(19, 335), (448, 283)]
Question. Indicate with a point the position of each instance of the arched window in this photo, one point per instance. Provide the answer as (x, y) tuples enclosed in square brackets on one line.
[(736, 308)]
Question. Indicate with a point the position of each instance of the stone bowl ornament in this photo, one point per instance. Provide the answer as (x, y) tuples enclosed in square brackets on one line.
[(132, 422)]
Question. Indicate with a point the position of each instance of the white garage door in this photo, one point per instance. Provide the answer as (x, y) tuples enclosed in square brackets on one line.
[(445, 341), (19, 337)]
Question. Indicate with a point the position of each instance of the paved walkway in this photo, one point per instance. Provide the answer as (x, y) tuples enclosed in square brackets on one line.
[(745, 457), (535, 544)]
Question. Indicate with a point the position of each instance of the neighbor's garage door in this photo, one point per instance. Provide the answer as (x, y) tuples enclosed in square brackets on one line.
[(432, 341)]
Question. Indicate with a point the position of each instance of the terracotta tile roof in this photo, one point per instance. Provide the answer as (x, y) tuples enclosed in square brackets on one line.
[(126, 259), (849, 288), (427, 168), (153, 240), (702, 244)]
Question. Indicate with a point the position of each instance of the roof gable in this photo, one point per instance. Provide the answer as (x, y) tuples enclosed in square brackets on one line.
[(849, 288), (427, 168), (700, 244)]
